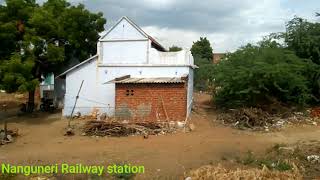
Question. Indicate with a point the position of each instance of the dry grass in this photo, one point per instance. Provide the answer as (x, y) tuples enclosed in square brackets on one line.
[(13, 100), (221, 173)]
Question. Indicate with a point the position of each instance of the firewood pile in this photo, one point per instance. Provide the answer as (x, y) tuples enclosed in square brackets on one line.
[(258, 119), (116, 129), (247, 118)]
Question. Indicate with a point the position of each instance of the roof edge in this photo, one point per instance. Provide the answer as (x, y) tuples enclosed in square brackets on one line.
[(130, 21), (127, 79), (148, 65), (137, 28), (78, 65)]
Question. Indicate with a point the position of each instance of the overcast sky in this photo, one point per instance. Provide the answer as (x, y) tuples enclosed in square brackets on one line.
[(228, 24)]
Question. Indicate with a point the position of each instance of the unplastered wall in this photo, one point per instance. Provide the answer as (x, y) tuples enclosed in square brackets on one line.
[(151, 102)]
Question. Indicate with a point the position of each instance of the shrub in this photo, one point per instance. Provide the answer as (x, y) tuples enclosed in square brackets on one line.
[(203, 74), (256, 75)]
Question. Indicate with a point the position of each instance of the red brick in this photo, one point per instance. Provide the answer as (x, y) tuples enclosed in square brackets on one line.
[(149, 96)]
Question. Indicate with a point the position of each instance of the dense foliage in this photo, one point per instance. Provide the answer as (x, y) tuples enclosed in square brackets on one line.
[(202, 54), (303, 38), (203, 75), (254, 75), (174, 48), (40, 39), (263, 74), (202, 49)]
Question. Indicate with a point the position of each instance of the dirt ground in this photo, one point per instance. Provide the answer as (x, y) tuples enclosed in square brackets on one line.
[(164, 157)]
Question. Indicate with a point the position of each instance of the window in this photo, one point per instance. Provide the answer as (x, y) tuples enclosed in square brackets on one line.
[(129, 92)]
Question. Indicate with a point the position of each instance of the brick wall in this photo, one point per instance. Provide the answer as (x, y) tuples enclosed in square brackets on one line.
[(216, 57), (148, 102)]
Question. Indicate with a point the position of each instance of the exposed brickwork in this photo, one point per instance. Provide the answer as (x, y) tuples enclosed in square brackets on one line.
[(149, 100), (216, 57)]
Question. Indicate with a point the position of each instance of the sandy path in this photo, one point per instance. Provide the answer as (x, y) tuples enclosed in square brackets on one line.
[(42, 142)]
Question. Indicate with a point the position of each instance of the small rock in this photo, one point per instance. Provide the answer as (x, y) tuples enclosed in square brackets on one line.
[(298, 113), (235, 124), (192, 127), (39, 178), (314, 123), (69, 132), (180, 124), (77, 115), (188, 178), (9, 138), (313, 158), (102, 117), (280, 123), (1, 135), (145, 135)]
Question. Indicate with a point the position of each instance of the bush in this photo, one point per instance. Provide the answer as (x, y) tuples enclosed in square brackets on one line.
[(203, 74), (256, 75)]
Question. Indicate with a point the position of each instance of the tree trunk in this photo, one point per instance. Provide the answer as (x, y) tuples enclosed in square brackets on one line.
[(5, 131), (30, 106)]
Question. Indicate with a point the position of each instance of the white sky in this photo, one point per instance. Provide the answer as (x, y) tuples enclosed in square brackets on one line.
[(228, 24)]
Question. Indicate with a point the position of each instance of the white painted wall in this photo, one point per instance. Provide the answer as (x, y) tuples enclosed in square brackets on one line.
[(182, 57), (97, 93), (124, 52), (190, 91), (124, 30), (91, 94)]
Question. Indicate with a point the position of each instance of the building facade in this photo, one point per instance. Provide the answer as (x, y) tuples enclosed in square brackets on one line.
[(131, 76)]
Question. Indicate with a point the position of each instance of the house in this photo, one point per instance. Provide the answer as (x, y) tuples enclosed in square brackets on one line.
[(216, 57), (47, 86), (133, 77)]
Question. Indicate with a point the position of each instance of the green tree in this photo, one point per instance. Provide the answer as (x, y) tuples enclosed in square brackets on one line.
[(203, 75), (256, 75), (174, 48), (13, 17), (202, 49), (303, 38), (52, 34)]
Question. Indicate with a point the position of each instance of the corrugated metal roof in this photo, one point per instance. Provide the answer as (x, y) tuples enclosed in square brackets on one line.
[(150, 80)]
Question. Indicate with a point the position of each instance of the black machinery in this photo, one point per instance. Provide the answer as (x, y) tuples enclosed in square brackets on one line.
[(47, 104)]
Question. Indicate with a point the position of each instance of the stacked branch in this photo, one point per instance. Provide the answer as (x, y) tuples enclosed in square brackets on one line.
[(247, 118), (115, 129), (258, 119)]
